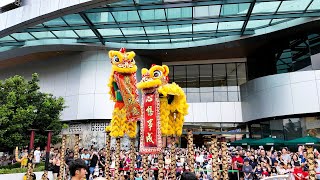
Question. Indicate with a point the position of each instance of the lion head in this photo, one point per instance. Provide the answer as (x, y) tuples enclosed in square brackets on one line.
[(122, 61), (154, 77)]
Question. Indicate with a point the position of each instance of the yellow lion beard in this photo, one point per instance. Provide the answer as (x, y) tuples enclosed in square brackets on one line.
[(124, 70), (149, 84)]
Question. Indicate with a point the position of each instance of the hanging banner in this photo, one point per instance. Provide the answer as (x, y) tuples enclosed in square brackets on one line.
[(150, 134), (129, 93)]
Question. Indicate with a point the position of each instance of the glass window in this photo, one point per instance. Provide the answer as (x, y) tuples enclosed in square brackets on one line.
[(234, 9), (133, 31), (22, 36), (85, 33), (232, 82), (180, 28), (43, 34), (241, 73), (297, 5), (206, 83), (156, 14), (110, 32), (265, 7), (205, 27), (180, 75), (7, 38), (171, 73), (193, 83), (74, 19), (103, 17), (156, 30), (55, 22), (175, 13), (315, 5), (220, 82), (230, 25), (257, 23), (122, 16), (277, 21), (65, 34)]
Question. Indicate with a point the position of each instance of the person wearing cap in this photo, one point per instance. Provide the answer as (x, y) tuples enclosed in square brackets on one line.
[(298, 173), (247, 170)]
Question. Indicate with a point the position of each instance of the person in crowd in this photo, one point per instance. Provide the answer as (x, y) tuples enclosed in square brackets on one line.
[(247, 170), (78, 169)]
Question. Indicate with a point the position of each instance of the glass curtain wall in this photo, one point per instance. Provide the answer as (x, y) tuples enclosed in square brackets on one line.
[(210, 82)]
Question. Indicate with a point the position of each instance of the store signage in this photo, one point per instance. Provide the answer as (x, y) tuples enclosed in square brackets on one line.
[(6, 2)]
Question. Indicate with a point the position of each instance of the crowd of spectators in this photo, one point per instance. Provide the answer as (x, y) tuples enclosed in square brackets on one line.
[(247, 164)]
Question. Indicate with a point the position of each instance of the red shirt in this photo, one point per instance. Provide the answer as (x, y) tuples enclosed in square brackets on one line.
[(300, 173), (239, 160)]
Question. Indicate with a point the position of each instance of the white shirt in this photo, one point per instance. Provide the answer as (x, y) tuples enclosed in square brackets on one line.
[(37, 155)]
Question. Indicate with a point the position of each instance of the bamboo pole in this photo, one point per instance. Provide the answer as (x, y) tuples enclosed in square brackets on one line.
[(173, 158), (76, 146), (190, 151), (132, 157), (145, 167), (62, 157), (117, 165), (224, 149), (161, 166), (30, 165), (214, 160), (311, 165), (107, 157)]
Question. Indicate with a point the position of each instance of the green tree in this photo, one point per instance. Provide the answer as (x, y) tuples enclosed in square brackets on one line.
[(23, 107)]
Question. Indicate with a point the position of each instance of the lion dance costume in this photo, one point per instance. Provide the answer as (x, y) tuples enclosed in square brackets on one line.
[(124, 93), (164, 107)]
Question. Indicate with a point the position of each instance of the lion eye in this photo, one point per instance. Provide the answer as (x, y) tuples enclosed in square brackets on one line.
[(157, 73), (116, 59), (133, 61)]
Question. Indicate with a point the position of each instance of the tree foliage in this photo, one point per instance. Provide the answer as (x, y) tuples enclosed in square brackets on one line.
[(23, 107)]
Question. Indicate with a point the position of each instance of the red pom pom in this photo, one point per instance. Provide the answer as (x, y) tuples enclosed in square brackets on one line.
[(153, 65), (123, 50)]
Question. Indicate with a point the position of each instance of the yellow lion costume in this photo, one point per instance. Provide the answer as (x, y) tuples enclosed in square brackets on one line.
[(173, 103), (124, 93)]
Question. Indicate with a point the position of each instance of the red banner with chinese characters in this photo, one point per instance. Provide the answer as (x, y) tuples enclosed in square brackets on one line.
[(150, 134), (129, 92)]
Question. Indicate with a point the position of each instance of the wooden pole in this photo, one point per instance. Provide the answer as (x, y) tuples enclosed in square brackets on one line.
[(173, 158), (214, 160), (311, 165), (117, 165), (224, 149), (76, 146), (62, 157), (132, 157), (108, 156), (190, 151)]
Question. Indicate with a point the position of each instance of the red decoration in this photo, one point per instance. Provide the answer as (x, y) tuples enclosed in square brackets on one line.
[(123, 50), (150, 141), (129, 94)]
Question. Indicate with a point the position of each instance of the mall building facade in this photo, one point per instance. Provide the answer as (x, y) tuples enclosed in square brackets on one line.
[(250, 68)]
